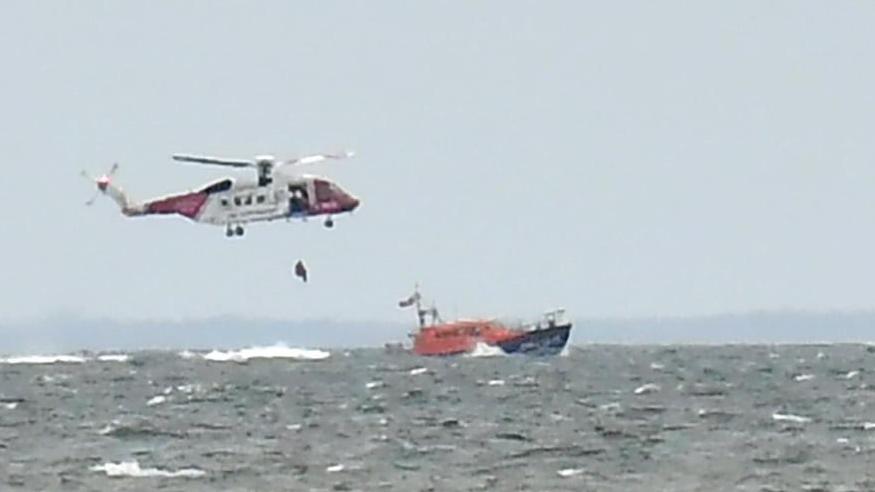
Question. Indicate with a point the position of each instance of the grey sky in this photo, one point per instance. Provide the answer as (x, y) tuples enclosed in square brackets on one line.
[(617, 158)]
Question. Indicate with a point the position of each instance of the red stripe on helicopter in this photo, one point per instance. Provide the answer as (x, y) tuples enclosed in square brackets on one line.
[(188, 205)]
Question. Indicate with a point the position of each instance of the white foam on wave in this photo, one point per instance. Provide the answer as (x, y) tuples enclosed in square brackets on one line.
[(156, 400), (62, 359), (132, 469), (647, 388), (486, 350), (44, 359), (11, 405), (570, 472), (109, 428), (190, 388), (788, 417), (271, 352), (187, 354), (418, 370), (804, 377), (113, 358)]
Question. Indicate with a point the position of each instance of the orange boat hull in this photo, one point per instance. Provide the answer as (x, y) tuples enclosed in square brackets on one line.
[(459, 337)]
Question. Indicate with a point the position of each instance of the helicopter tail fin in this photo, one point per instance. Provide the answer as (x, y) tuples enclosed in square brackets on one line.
[(106, 186)]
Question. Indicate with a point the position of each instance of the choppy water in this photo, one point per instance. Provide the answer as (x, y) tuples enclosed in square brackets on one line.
[(756, 418)]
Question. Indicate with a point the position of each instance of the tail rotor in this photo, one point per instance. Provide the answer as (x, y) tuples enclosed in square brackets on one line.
[(102, 182)]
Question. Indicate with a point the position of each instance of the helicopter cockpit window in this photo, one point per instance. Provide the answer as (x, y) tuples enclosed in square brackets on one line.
[(259, 199), (248, 199), (323, 191), (217, 187), (224, 202), (238, 201)]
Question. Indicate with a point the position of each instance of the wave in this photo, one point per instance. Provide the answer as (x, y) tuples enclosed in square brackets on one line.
[(132, 469), (570, 472), (647, 388), (62, 359), (272, 352), (789, 417), (187, 354), (485, 350), (156, 400), (278, 351), (114, 358), (137, 429), (44, 359)]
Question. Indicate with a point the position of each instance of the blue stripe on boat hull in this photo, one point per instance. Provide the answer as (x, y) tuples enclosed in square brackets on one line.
[(544, 342)]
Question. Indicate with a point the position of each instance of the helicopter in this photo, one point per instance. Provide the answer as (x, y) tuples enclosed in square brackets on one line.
[(277, 192)]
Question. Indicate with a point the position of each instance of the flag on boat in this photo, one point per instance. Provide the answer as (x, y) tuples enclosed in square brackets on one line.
[(409, 301)]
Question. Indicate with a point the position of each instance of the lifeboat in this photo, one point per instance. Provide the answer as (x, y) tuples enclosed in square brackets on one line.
[(436, 337)]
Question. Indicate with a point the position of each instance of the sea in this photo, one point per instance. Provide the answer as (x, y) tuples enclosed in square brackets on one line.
[(597, 417)]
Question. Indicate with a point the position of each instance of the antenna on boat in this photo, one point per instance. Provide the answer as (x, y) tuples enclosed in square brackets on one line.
[(420, 314), (433, 312)]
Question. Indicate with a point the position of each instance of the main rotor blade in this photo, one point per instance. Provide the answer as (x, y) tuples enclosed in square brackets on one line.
[(312, 159), (219, 161)]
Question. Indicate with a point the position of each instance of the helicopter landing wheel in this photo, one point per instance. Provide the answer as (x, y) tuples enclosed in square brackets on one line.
[(228, 231), (329, 222), (239, 230)]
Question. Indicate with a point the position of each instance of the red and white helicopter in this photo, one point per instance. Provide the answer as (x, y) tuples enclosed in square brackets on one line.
[(278, 192)]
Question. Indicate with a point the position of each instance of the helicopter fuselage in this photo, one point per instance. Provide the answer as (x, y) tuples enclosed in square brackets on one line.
[(232, 202), (278, 192)]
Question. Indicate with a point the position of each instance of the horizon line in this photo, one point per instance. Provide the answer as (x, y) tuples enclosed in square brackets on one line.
[(68, 316)]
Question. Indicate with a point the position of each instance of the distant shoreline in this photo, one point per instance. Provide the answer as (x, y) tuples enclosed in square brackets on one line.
[(70, 334)]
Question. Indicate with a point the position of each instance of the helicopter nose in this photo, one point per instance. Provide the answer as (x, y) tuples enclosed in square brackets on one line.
[(353, 203)]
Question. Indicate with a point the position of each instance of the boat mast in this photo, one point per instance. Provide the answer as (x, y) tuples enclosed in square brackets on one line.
[(423, 313), (419, 311)]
